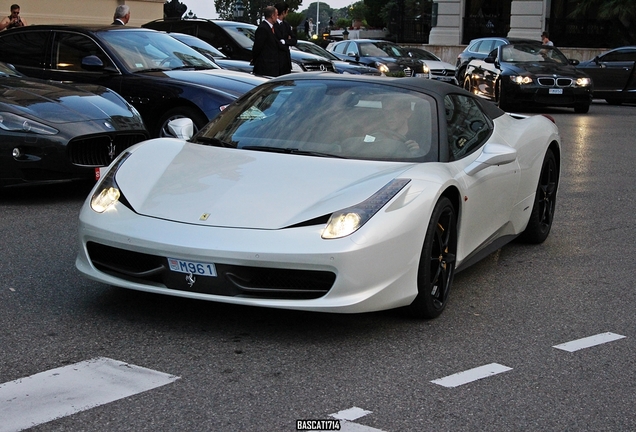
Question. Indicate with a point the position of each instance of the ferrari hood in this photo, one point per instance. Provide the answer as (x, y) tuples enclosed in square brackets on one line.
[(56, 103), (204, 185)]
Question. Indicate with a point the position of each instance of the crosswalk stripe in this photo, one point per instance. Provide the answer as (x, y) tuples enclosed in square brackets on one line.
[(67, 390)]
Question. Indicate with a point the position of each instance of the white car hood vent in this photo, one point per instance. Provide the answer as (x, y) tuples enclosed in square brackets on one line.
[(220, 187)]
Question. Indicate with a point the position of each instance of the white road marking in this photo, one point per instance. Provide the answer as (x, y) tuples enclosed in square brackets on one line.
[(350, 414), (471, 375), (46, 396), (346, 416), (588, 342)]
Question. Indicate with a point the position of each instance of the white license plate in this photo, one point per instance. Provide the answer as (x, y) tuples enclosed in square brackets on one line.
[(197, 268), (555, 91)]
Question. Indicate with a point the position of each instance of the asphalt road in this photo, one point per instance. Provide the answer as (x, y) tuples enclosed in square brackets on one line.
[(251, 369)]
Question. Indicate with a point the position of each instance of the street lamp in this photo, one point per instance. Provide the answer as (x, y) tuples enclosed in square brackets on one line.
[(239, 10)]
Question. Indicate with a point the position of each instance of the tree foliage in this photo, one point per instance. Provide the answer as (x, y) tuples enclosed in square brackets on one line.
[(620, 12), (253, 11)]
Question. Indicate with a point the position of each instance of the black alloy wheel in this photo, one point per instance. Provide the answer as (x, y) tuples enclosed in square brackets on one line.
[(437, 262), (544, 205)]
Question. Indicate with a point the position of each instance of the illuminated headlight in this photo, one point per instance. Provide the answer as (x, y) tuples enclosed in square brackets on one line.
[(107, 192), (583, 82), (425, 68), (16, 123), (382, 67), (296, 67), (521, 79), (347, 221)]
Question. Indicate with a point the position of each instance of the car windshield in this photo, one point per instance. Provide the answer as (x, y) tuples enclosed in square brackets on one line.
[(148, 51), (381, 49), (527, 53), (243, 34), (342, 119)]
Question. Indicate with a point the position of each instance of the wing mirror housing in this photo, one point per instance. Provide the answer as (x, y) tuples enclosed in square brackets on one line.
[(574, 62), (92, 63), (492, 155), (182, 128), (490, 59)]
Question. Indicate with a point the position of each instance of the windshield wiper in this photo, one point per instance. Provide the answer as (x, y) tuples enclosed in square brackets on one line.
[(151, 70), (214, 141), (290, 151), (192, 67)]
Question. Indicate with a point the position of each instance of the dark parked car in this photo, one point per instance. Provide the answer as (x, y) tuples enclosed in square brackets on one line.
[(529, 74), (160, 76), (341, 66), (213, 54), (478, 49), (388, 57), (235, 40), (53, 132), (613, 74)]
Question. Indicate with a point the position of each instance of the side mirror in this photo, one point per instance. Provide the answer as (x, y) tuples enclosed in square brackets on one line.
[(574, 62), (491, 155), (597, 60), (92, 63), (490, 59), (182, 128)]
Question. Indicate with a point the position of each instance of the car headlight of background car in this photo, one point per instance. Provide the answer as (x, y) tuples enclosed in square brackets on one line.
[(583, 82), (17, 123), (426, 71), (107, 192), (382, 67), (347, 221), (518, 79)]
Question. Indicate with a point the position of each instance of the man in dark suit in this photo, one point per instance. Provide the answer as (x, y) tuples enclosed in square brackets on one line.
[(268, 48), (122, 15), (285, 32)]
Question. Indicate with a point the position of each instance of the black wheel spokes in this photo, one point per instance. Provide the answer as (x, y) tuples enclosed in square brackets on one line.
[(442, 260), (547, 190)]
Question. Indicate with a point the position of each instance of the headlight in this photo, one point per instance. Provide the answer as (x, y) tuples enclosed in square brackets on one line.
[(382, 67), (107, 192), (425, 68), (583, 82), (296, 67), (347, 221), (518, 79), (17, 123)]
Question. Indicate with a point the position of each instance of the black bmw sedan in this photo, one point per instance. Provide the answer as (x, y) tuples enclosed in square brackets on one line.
[(52, 132), (160, 76), (527, 74)]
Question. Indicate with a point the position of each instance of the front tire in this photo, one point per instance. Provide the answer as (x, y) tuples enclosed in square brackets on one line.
[(544, 205), (582, 108), (437, 262), (467, 85)]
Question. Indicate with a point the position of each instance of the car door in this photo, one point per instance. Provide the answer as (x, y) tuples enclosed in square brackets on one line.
[(611, 72), (484, 74), (68, 51), (490, 194)]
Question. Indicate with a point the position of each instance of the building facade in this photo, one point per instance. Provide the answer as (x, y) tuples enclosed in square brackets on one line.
[(85, 11)]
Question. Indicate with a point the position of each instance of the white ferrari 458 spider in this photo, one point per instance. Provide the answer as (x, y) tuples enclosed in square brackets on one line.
[(324, 192)]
